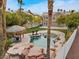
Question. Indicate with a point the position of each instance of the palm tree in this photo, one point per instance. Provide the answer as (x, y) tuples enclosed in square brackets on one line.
[(61, 10), (4, 37), (20, 2), (8, 9), (58, 10), (1, 30), (11, 10), (64, 11), (50, 10), (4, 19), (72, 11)]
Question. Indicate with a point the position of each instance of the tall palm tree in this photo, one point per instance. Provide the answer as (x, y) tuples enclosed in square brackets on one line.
[(8, 9), (20, 2), (58, 10), (61, 10), (11, 10), (50, 10), (72, 11), (1, 30), (64, 11), (4, 21)]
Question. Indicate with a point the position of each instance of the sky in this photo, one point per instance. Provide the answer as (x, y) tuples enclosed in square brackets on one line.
[(40, 6)]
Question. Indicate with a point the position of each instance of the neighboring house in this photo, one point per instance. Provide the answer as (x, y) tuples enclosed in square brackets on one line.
[(45, 18)]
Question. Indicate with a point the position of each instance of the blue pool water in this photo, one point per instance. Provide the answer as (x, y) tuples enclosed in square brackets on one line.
[(42, 41)]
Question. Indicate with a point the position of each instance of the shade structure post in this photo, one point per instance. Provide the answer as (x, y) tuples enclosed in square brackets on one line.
[(50, 10)]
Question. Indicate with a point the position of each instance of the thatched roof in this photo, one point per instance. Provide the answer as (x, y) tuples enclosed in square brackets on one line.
[(15, 28)]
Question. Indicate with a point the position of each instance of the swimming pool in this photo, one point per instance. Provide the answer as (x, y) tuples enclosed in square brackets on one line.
[(41, 40)]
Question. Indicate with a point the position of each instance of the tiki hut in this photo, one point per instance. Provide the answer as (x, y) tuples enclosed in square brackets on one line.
[(16, 30)]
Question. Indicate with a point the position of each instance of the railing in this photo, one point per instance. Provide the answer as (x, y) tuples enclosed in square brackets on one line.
[(62, 53)]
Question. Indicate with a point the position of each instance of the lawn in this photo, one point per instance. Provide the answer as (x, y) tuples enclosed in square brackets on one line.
[(37, 28)]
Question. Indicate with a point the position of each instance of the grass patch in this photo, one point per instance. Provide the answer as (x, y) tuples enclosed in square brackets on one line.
[(29, 30)]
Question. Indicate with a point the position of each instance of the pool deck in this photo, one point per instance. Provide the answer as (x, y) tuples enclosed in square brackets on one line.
[(73, 52), (19, 48), (61, 28), (26, 38)]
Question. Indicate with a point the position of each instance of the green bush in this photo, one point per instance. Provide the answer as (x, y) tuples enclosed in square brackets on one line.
[(9, 41), (71, 20)]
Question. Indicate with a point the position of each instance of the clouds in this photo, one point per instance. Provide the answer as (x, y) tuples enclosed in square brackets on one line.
[(41, 7)]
